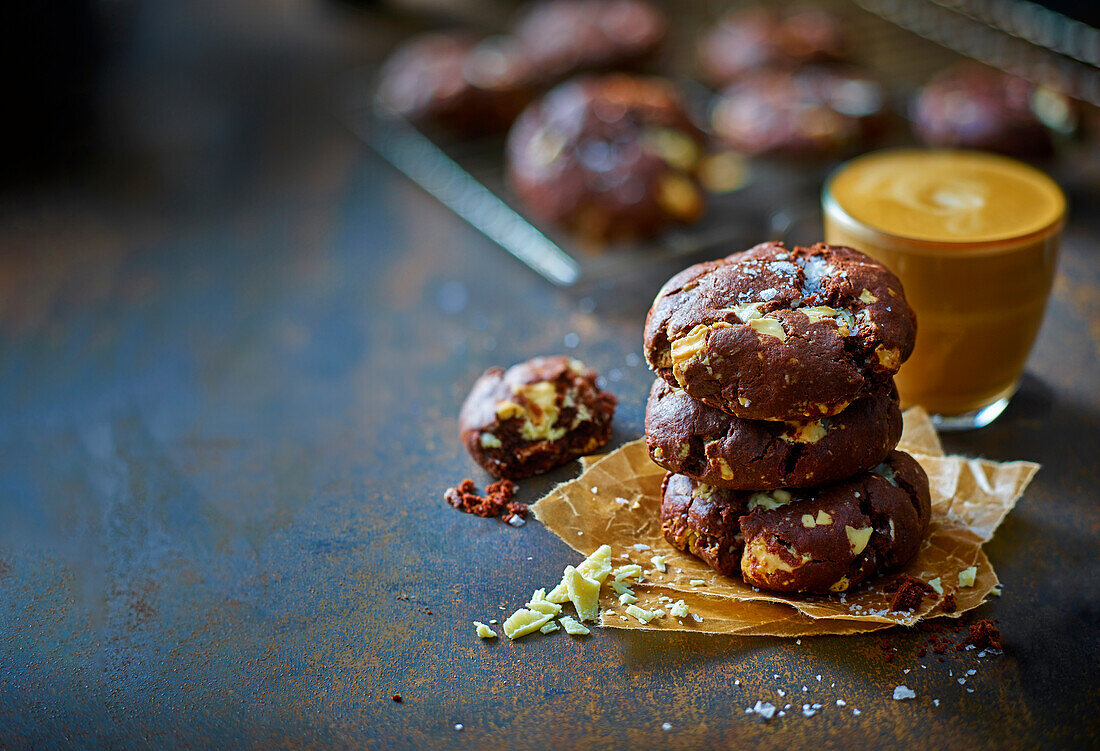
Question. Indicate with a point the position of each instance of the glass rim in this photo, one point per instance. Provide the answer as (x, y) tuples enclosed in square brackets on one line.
[(831, 209)]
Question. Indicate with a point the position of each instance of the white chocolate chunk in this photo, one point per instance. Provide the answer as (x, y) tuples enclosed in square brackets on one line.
[(584, 593), (769, 327), (967, 576), (642, 615), (484, 631), (857, 538), (596, 567), (772, 500), (523, 622), (629, 571), (573, 627)]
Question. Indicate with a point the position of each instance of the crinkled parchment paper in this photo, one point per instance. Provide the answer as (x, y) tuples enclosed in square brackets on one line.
[(616, 501)]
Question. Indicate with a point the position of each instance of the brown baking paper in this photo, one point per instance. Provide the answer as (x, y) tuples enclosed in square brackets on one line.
[(616, 501)]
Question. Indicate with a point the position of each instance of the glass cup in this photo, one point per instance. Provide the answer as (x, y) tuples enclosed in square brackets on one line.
[(974, 239)]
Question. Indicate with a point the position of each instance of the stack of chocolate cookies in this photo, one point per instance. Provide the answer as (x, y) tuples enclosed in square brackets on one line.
[(776, 416)]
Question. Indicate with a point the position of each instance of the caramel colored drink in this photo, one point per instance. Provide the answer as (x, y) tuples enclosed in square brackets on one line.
[(974, 238)]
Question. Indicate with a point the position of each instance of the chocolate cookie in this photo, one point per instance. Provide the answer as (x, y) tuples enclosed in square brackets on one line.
[(813, 111), (755, 38), (563, 37), (457, 82), (609, 158), (823, 539), (534, 416), (685, 436), (780, 334), (975, 107), (704, 521)]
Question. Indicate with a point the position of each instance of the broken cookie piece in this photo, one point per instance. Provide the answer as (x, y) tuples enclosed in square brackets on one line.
[(534, 416)]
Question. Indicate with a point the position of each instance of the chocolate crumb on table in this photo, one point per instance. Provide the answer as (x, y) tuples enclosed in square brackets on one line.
[(983, 634), (534, 416), (497, 500), (397, 698), (948, 605)]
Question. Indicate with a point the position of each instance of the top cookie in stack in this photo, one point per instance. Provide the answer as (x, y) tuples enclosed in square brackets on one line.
[(780, 334), (776, 371)]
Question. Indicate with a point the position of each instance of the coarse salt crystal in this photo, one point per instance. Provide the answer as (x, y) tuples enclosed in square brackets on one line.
[(595, 490), (765, 709), (904, 692), (458, 726), (856, 712), (841, 703), (666, 726), (641, 546), (517, 521), (936, 702)]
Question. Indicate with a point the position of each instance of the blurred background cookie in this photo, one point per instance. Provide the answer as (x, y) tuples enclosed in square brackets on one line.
[(685, 436), (975, 107), (812, 111), (564, 37), (608, 158), (770, 37), (534, 416), (458, 82)]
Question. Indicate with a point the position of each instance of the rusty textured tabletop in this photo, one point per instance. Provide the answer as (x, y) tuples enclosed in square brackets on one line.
[(224, 440)]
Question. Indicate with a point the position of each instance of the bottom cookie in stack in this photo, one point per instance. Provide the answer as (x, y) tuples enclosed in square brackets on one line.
[(816, 540)]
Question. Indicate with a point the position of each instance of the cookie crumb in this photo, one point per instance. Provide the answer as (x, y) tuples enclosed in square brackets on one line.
[(982, 634), (910, 592), (948, 605), (497, 501)]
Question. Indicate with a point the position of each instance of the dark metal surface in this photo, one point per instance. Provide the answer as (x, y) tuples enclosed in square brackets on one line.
[(224, 439), (222, 460)]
